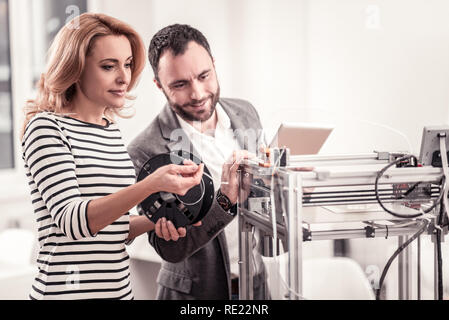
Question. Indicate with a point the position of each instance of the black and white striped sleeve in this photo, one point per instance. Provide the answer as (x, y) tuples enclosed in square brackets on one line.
[(47, 155)]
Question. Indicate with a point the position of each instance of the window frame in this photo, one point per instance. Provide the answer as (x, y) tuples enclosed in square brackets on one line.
[(13, 179), (9, 84), (14, 183)]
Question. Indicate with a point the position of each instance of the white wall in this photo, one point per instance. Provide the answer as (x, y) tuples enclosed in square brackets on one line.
[(250, 40), (378, 61)]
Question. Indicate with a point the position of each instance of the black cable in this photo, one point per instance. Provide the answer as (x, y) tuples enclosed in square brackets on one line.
[(425, 223), (439, 265), (420, 231), (381, 173), (419, 267), (438, 234)]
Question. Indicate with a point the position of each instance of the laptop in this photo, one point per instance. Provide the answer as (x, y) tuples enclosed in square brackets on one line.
[(302, 138)]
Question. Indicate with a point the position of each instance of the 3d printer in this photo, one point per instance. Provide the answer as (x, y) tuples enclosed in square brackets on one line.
[(282, 200)]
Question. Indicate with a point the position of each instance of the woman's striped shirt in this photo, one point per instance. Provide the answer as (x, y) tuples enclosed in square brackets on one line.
[(69, 162)]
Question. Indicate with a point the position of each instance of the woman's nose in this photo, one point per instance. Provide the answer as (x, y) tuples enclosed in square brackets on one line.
[(123, 76)]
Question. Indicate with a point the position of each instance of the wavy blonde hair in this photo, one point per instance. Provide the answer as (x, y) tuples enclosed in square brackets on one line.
[(66, 60)]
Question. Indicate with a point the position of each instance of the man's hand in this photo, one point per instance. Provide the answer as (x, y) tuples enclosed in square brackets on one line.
[(165, 229), (229, 180)]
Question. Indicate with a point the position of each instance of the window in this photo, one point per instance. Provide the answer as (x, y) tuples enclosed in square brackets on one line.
[(6, 136), (48, 16)]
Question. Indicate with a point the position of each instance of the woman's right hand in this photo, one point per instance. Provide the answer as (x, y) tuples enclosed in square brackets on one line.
[(177, 179)]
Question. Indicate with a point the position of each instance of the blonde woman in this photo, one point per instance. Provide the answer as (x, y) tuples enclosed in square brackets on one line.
[(81, 177)]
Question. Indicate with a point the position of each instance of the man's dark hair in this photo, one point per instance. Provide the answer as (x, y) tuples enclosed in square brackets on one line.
[(175, 38)]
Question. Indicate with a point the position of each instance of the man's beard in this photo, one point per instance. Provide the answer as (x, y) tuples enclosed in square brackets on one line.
[(188, 116)]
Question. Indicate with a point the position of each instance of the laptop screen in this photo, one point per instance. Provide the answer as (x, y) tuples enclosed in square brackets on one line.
[(302, 138)]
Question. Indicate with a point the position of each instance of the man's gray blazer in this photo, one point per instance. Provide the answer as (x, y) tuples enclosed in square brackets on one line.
[(196, 266)]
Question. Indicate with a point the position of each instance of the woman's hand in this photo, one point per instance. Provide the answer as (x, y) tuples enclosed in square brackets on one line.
[(176, 179)]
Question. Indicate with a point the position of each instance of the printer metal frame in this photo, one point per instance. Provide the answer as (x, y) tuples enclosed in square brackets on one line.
[(348, 179)]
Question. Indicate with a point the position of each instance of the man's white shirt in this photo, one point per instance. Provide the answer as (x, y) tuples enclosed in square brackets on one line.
[(215, 148)]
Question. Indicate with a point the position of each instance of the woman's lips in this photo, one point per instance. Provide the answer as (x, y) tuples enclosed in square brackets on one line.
[(118, 93)]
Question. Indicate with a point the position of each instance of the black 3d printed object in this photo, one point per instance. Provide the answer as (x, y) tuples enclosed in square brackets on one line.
[(181, 210)]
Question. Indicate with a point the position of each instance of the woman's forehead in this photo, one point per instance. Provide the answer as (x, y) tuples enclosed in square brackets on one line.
[(116, 47)]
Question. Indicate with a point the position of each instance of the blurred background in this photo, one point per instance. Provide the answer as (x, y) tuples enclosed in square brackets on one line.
[(376, 69)]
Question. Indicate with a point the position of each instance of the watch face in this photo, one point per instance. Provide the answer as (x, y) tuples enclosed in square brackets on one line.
[(223, 201)]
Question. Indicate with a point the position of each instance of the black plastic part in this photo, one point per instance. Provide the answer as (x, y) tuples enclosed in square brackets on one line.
[(370, 232), (410, 162), (183, 210), (436, 159), (283, 161), (306, 235)]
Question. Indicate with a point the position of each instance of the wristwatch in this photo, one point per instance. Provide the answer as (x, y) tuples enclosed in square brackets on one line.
[(223, 201)]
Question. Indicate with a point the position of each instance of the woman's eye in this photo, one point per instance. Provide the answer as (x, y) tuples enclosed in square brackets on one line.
[(107, 67), (204, 76), (128, 65)]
